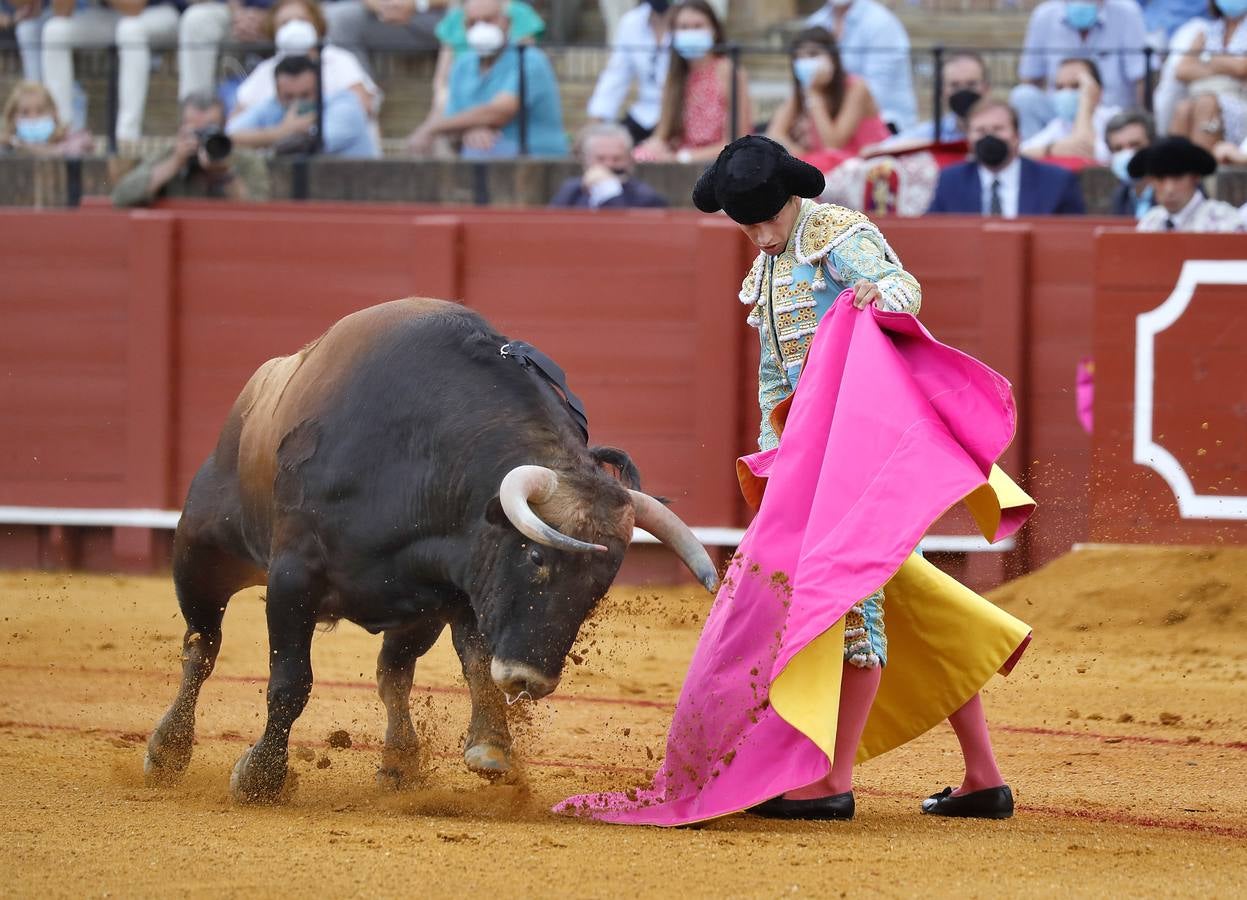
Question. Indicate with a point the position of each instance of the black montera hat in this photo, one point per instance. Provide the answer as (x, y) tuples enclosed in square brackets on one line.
[(1172, 156), (752, 180)]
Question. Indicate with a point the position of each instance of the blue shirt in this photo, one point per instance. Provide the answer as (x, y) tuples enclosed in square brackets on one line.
[(1170, 15), (950, 130), (348, 133), (470, 88), (875, 47), (1115, 42)]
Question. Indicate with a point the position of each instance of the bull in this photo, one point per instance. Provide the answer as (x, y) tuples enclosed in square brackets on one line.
[(402, 473)]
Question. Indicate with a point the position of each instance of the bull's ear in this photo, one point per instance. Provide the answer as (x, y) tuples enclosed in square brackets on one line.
[(624, 469), (494, 513)]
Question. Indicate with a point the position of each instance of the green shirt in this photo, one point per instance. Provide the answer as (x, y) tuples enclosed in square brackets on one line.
[(134, 189)]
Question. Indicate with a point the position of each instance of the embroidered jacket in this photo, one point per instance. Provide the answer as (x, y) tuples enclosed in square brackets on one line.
[(830, 249)]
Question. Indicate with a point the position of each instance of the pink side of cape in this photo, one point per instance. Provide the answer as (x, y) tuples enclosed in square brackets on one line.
[(887, 430)]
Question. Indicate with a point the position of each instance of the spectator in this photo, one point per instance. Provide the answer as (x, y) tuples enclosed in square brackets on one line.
[(297, 27), (406, 26), (286, 122), (204, 26), (202, 163), (1212, 66), (639, 55), (615, 11), (1126, 134), (31, 125), (1229, 154), (965, 81), (452, 34), (483, 110), (830, 115), (1110, 32), (874, 46), (132, 26), (1175, 166), (26, 19), (605, 151), (1077, 130), (696, 120), (1000, 182)]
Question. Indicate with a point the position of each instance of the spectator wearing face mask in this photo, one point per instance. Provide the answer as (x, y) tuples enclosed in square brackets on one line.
[(605, 152), (297, 27), (640, 50), (285, 122), (1000, 182), (484, 106), (1077, 129), (965, 81), (696, 119), (32, 126), (1126, 134), (874, 46), (1208, 71), (830, 115), (1110, 32), (203, 163), (1176, 167)]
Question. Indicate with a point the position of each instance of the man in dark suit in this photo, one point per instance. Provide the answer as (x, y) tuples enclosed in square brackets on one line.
[(605, 151), (999, 182)]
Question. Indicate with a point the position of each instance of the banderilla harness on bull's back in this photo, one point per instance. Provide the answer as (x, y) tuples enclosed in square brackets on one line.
[(532, 359)]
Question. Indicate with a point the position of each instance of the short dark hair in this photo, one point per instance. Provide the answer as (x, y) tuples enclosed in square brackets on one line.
[(293, 67), (202, 101), (987, 103), (1132, 117), (1090, 65), (972, 55)]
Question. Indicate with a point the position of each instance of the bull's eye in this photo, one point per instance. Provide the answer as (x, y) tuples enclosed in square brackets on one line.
[(537, 559)]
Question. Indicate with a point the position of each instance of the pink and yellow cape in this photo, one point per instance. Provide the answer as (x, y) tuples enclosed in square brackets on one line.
[(887, 430)]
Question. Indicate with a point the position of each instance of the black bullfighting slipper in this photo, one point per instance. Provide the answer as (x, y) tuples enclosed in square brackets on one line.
[(836, 807), (990, 803)]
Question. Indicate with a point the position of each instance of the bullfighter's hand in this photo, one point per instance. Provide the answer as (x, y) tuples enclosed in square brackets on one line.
[(866, 292)]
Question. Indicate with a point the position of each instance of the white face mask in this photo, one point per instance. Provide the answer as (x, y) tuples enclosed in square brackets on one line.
[(486, 38), (296, 38)]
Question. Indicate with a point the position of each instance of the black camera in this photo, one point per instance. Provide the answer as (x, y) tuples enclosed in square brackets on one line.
[(215, 143)]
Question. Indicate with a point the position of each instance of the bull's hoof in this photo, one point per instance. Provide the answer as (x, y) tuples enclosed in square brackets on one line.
[(168, 754), (401, 770), (255, 784), (489, 761)]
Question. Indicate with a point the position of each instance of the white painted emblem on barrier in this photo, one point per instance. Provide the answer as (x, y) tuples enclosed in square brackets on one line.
[(1146, 451)]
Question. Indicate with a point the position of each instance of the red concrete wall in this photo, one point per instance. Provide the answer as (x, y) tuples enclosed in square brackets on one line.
[(1200, 395), (133, 333)]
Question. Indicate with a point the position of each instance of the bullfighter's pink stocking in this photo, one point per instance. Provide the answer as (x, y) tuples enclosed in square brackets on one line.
[(857, 693), (970, 725)]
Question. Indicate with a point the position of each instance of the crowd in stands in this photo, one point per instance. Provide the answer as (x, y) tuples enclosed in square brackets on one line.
[(672, 92)]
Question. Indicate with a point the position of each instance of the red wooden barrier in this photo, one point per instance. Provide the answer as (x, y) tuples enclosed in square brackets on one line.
[(1170, 437), (133, 332)]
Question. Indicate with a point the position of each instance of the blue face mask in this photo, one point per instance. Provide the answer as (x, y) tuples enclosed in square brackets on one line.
[(1120, 164), (1232, 9), (806, 68), (35, 131), (1081, 15), (692, 43), (1065, 104)]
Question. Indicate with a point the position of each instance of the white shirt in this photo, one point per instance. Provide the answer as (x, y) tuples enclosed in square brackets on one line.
[(340, 69), (1010, 178), (1200, 215), (636, 56), (1059, 129)]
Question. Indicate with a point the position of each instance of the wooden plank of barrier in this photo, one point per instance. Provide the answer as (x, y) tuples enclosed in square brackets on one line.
[(149, 376), (1189, 405)]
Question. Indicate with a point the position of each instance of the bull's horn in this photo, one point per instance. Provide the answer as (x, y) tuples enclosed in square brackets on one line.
[(525, 484), (665, 525)]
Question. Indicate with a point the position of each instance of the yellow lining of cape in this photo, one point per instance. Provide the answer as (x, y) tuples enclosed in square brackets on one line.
[(944, 643)]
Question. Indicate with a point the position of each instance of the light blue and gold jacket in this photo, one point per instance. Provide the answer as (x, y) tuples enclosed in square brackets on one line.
[(830, 249)]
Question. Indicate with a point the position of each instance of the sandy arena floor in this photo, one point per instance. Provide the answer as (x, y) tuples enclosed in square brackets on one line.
[(1123, 732)]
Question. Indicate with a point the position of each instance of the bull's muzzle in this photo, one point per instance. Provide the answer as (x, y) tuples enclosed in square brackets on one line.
[(516, 679)]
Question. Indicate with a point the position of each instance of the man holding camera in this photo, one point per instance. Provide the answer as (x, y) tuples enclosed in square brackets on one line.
[(201, 164)]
